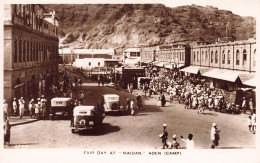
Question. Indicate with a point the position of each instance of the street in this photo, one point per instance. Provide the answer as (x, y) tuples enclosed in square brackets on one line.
[(135, 132)]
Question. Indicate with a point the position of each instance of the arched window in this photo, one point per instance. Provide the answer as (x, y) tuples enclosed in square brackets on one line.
[(229, 56), (244, 56), (254, 61), (198, 59), (223, 57), (237, 57), (216, 57), (15, 51), (212, 57)]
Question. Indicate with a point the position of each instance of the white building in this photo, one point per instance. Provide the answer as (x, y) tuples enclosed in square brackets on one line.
[(132, 56)]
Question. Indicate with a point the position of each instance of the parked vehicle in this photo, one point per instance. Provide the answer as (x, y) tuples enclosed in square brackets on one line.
[(111, 103), (61, 106), (86, 117)]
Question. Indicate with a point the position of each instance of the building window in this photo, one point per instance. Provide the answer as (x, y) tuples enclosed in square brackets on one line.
[(212, 57), (98, 63), (20, 51), (198, 57), (223, 57), (244, 56), (216, 57), (202, 56), (254, 62), (237, 57), (183, 56), (180, 56), (229, 56), (15, 51), (194, 57), (206, 56), (37, 52), (24, 51), (89, 63), (28, 51), (31, 51)]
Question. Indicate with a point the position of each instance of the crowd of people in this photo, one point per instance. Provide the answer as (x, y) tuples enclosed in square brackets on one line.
[(196, 95)]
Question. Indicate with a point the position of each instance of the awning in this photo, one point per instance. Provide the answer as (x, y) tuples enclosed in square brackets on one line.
[(161, 64), (195, 69), (168, 66), (228, 75), (250, 82), (180, 65), (156, 62), (246, 77)]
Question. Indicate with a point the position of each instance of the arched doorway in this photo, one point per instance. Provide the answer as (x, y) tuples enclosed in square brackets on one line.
[(18, 89)]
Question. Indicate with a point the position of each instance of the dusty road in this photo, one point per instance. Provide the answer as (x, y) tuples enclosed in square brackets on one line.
[(135, 132)]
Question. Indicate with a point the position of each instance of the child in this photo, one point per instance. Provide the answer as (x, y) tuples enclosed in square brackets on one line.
[(250, 123)]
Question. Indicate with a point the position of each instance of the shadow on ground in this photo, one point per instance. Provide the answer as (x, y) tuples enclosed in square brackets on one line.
[(105, 128), (152, 108)]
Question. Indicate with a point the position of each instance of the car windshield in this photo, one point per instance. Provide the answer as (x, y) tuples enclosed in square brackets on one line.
[(113, 98)]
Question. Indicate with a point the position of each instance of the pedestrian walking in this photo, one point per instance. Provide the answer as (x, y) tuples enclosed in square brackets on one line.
[(15, 107), (127, 108), (163, 100), (21, 107), (37, 110), (132, 107), (214, 135), (7, 132), (253, 117), (249, 122), (81, 97), (5, 109), (243, 106), (189, 142), (164, 136), (31, 108)]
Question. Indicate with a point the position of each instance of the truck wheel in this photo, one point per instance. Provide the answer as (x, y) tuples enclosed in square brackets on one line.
[(73, 131)]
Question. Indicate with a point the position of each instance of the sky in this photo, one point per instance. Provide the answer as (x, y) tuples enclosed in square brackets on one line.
[(239, 7)]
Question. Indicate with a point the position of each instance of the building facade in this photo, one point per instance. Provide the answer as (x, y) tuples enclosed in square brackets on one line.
[(168, 56), (225, 65), (30, 50)]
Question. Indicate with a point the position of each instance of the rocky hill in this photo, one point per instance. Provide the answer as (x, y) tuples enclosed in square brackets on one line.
[(134, 25)]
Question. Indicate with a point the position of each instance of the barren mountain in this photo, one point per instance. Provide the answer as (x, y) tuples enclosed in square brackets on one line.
[(133, 25)]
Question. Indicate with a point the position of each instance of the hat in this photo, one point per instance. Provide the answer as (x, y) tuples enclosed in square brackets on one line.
[(38, 99), (164, 125), (214, 124), (21, 97), (42, 95), (14, 98), (174, 136)]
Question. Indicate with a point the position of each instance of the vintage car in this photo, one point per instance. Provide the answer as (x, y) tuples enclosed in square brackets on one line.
[(111, 103), (86, 117), (61, 106)]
